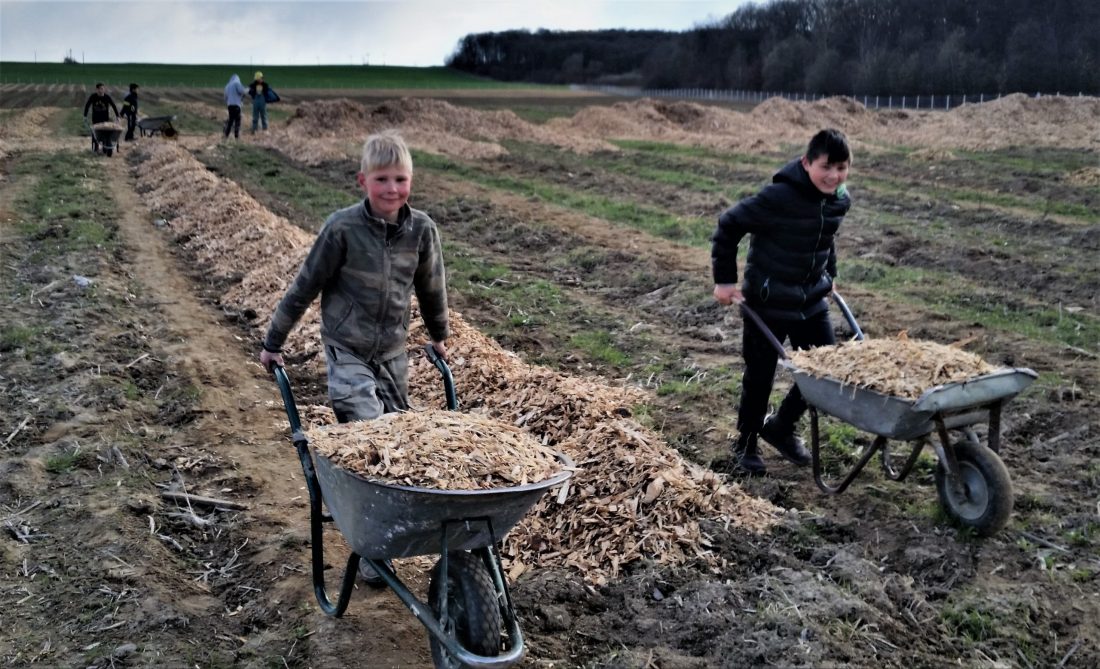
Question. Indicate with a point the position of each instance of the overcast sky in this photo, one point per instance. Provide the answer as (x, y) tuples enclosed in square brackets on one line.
[(275, 32)]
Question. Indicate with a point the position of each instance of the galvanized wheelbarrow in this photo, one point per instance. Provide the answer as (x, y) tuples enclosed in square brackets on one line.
[(104, 139), (973, 483), (151, 125), (468, 599)]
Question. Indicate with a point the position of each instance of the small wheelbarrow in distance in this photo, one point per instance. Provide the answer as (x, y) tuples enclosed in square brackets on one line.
[(151, 125), (972, 482), (468, 599), (105, 137)]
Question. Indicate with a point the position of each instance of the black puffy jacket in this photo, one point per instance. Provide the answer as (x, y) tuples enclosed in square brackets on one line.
[(792, 255)]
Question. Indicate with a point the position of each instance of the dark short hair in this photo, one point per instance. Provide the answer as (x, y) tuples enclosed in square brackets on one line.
[(133, 87), (829, 142), (98, 84)]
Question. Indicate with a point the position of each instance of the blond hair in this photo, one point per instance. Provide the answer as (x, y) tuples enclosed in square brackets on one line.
[(385, 149)]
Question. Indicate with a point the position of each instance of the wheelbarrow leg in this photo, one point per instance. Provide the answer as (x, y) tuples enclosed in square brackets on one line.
[(879, 443), (946, 453), (317, 538), (888, 468)]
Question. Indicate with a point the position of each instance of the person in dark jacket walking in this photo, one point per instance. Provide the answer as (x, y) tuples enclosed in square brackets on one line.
[(789, 272), (130, 111), (100, 105)]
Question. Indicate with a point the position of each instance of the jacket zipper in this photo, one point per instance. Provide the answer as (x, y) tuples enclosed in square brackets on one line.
[(378, 325), (820, 229)]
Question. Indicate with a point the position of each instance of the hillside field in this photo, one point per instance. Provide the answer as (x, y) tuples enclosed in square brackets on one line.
[(576, 235)]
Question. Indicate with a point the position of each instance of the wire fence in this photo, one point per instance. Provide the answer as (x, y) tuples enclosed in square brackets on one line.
[(870, 101)]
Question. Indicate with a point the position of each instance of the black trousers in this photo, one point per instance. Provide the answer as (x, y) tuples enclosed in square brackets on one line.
[(131, 124), (234, 121), (761, 359)]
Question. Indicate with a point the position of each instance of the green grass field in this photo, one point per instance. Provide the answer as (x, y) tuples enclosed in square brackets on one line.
[(118, 75)]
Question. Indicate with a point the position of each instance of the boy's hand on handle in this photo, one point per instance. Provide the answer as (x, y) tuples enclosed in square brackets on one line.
[(267, 359), (728, 293), (440, 349)]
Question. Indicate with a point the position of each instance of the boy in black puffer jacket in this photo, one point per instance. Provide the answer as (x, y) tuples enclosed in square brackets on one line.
[(789, 272)]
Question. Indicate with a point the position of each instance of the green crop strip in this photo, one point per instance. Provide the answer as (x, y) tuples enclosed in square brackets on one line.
[(119, 75), (66, 209), (694, 153), (953, 296), (691, 231), (680, 174), (257, 168)]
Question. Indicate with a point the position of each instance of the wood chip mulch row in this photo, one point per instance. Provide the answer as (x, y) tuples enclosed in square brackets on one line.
[(632, 497)]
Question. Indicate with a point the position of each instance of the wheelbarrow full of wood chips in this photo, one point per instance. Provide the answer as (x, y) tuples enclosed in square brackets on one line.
[(469, 614), (971, 480)]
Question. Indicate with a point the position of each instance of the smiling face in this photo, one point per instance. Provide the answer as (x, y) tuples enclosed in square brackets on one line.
[(826, 177), (387, 189)]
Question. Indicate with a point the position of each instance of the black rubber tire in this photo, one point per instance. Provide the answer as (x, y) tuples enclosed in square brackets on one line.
[(988, 498), (108, 152), (473, 612)]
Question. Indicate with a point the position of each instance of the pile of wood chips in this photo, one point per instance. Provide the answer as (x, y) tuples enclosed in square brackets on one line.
[(107, 125), (901, 367), (444, 450), (633, 497)]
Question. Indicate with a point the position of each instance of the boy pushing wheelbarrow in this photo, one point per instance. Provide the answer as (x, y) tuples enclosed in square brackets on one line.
[(101, 104)]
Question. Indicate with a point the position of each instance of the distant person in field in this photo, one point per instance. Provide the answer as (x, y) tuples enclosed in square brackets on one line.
[(234, 93), (100, 105), (789, 272), (366, 263), (261, 93), (130, 111)]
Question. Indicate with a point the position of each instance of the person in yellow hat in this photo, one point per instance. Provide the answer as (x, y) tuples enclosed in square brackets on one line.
[(258, 89)]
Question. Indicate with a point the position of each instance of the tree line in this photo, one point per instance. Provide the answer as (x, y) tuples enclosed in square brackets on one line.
[(831, 47)]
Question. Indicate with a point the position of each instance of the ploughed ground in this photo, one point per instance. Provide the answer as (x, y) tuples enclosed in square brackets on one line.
[(122, 380)]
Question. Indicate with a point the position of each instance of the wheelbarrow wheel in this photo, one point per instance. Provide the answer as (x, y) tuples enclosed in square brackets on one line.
[(983, 500), (473, 613)]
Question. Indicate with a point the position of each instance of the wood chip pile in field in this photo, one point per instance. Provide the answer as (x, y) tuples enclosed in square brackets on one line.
[(900, 367), (23, 125), (1060, 121), (327, 130), (444, 450), (634, 497), (232, 238)]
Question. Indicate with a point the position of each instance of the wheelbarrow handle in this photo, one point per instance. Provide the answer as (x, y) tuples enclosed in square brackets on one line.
[(848, 316), (445, 372), (759, 322), (288, 402)]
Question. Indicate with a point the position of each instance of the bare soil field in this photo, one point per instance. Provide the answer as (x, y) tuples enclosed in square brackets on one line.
[(137, 288)]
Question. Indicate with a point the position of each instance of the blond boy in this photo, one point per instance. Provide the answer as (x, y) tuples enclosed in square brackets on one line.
[(366, 263)]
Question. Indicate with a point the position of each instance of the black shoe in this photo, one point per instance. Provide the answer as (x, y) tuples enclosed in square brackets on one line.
[(748, 457), (781, 436), (369, 576)]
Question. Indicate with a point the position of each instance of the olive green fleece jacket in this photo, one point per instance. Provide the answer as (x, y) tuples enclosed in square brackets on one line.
[(366, 282)]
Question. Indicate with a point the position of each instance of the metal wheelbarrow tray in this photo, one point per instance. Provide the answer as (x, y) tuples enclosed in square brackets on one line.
[(972, 482), (105, 139), (151, 125), (897, 418), (468, 598)]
